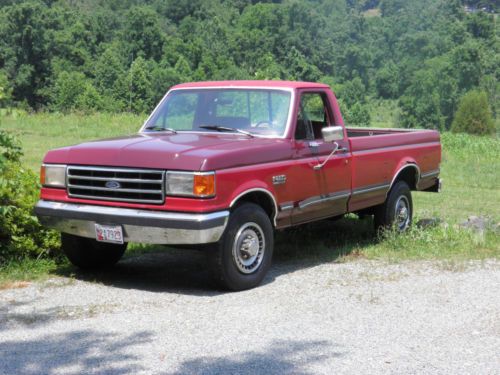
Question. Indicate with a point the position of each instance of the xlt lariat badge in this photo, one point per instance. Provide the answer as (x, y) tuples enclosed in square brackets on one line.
[(280, 179)]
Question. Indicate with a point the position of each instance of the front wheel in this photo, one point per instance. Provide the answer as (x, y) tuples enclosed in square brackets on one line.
[(242, 257), (397, 210), (88, 253)]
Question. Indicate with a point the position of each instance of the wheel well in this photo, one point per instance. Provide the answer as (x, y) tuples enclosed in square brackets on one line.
[(260, 198), (410, 175)]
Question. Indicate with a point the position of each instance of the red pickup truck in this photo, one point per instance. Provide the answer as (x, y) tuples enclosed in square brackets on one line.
[(221, 165)]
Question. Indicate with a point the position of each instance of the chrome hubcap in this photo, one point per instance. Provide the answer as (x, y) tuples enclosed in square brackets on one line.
[(402, 214), (248, 248)]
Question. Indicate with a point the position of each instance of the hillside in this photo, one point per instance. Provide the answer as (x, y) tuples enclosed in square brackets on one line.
[(96, 55)]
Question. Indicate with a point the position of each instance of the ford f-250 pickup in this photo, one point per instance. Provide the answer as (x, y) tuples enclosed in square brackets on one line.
[(221, 165)]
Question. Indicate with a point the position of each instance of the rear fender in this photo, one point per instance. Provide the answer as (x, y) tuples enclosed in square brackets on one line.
[(406, 166)]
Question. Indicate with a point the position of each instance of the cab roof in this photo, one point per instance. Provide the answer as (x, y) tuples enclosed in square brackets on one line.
[(251, 83)]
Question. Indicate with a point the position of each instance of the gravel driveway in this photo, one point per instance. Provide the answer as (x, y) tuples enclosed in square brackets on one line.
[(158, 313)]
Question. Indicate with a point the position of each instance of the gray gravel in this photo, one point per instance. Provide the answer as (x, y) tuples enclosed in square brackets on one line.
[(158, 313)]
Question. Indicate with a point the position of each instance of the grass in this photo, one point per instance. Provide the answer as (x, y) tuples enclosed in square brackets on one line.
[(44, 131), (470, 171)]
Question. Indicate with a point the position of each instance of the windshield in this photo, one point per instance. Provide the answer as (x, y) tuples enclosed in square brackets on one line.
[(256, 111)]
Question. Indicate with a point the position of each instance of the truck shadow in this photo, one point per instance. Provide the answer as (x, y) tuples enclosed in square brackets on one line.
[(162, 269)]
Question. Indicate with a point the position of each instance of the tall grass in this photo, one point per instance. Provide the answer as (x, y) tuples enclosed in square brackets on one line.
[(44, 131)]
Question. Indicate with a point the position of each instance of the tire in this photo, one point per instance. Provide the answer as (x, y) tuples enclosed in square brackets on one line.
[(397, 210), (87, 253), (234, 268)]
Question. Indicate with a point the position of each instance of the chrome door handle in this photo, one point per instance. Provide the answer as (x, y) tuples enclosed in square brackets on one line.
[(341, 149)]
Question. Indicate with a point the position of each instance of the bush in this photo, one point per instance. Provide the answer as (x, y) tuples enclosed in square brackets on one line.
[(355, 115), (73, 91), (473, 115), (21, 235)]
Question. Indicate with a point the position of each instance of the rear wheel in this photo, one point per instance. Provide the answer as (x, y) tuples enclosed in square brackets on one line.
[(88, 253), (242, 257), (397, 210)]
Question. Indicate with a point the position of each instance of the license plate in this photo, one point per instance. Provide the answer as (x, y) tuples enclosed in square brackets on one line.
[(109, 233)]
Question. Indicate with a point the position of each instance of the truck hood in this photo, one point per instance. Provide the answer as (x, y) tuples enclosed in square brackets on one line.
[(181, 151)]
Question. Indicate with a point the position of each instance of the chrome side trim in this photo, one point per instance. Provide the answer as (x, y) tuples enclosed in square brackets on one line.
[(155, 227), (321, 199), (370, 188), (260, 190), (432, 173), (286, 206)]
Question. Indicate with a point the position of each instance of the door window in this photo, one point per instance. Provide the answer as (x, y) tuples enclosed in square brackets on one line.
[(312, 116)]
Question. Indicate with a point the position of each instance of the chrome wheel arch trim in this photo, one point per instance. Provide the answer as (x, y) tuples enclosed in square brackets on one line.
[(262, 190), (408, 165)]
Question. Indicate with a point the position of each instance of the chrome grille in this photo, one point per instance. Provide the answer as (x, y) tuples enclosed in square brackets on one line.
[(116, 184)]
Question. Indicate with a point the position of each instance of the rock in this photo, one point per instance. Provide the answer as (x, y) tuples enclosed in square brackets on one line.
[(428, 223), (479, 223)]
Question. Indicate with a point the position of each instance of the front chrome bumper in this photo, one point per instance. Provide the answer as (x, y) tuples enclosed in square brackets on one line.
[(143, 226)]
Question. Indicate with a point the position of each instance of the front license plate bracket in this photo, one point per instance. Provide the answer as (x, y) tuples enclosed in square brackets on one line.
[(109, 233)]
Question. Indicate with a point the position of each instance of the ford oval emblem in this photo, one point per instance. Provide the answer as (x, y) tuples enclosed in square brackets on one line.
[(113, 185)]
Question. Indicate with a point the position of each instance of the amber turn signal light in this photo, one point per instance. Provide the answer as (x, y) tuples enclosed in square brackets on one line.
[(204, 185), (42, 175)]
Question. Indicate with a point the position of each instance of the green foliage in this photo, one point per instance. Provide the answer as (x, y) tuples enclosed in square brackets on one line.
[(425, 54), (473, 115), (74, 91), (140, 86), (387, 81), (352, 101), (10, 151), (5, 90), (439, 242), (21, 235)]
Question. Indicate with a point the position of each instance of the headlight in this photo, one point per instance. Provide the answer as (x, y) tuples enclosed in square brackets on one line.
[(53, 175), (191, 184)]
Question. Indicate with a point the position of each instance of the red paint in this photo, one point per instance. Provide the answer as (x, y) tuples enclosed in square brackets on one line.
[(242, 163)]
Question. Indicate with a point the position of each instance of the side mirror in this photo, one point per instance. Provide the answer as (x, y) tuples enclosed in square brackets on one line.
[(332, 133)]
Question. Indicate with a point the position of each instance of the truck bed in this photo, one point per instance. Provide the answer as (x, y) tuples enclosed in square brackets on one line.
[(379, 154)]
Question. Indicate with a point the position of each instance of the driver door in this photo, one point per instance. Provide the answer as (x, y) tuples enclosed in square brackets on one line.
[(321, 192)]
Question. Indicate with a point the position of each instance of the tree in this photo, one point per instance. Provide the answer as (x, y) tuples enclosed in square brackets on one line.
[(5, 90), (67, 88), (140, 87), (352, 92), (143, 34), (24, 53), (73, 91), (420, 103), (387, 81), (473, 115)]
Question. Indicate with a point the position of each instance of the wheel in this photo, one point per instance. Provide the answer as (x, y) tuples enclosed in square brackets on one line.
[(397, 210), (243, 255), (88, 253)]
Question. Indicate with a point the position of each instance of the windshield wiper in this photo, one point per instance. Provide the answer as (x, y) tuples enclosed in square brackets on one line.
[(224, 128), (160, 128)]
